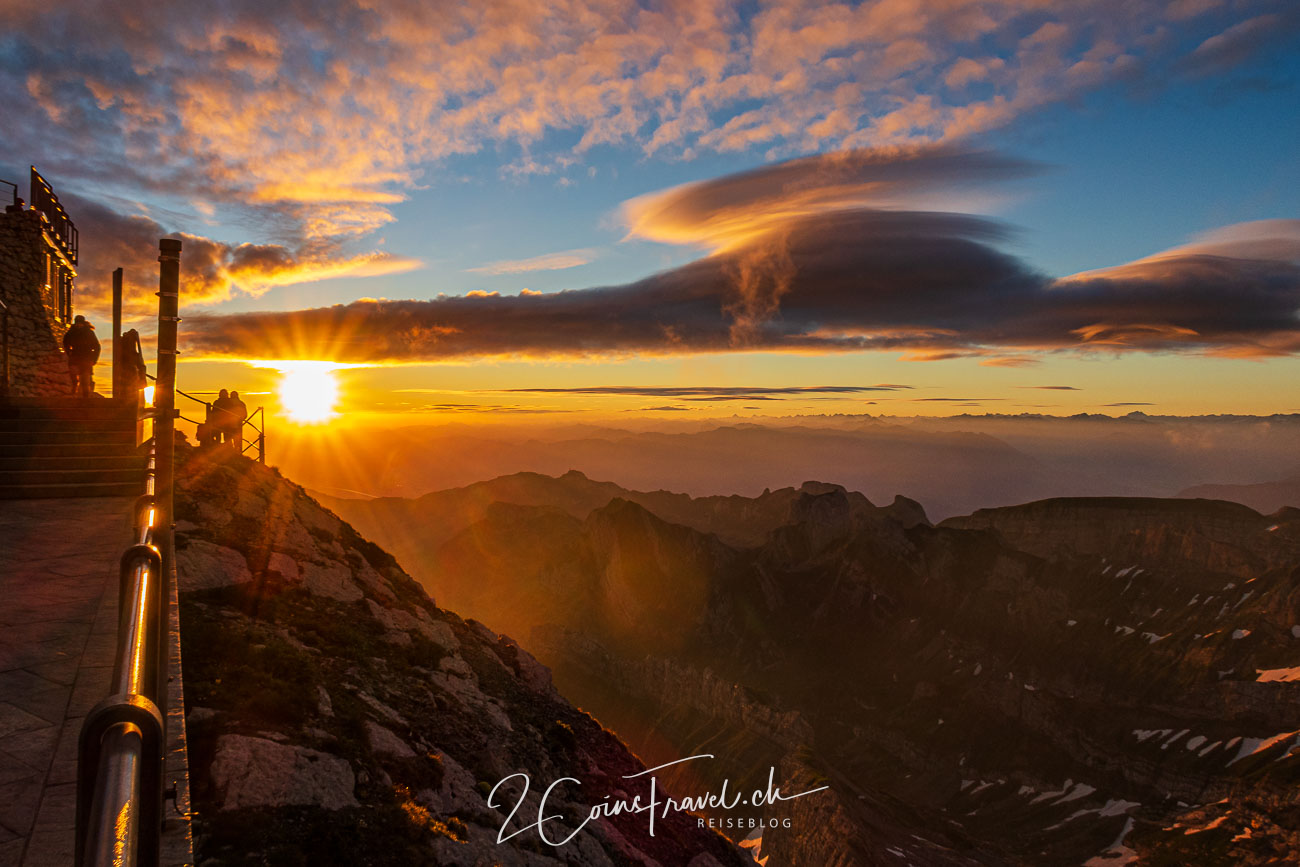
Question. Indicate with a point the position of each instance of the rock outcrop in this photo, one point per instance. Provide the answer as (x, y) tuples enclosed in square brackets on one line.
[(338, 716)]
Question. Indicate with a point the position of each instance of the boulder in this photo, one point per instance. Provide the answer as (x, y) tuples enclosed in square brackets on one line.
[(256, 772), (205, 566)]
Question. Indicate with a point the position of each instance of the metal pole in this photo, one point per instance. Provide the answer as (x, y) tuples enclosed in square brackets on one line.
[(118, 367), (169, 276)]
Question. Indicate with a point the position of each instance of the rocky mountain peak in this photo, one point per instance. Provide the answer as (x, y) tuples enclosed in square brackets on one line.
[(338, 715)]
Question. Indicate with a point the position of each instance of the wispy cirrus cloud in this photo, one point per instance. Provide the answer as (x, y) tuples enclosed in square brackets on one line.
[(547, 262), (713, 392)]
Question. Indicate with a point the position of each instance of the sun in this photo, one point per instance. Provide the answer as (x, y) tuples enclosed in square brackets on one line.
[(308, 390)]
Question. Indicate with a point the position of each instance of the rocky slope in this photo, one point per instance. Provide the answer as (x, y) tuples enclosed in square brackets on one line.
[(338, 716), (1065, 682)]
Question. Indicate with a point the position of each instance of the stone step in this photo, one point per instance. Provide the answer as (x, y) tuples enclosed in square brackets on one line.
[(71, 435), (56, 424), (132, 461), (97, 448), (68, 408), (58, 475), (99, 489)]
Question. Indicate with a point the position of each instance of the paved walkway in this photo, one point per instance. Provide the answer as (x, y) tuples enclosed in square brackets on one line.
[(58, 626)]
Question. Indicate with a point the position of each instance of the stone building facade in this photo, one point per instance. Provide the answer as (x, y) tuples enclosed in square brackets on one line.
[(36, 276)]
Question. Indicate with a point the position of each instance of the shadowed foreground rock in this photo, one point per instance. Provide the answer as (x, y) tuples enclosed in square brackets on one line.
[(339, 717)]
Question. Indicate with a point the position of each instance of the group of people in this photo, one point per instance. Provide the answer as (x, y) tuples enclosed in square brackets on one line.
[(224, 424)]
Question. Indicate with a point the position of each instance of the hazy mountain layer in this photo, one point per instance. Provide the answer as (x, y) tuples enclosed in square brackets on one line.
[(951, 465), (1265, 497), (1064, 681)]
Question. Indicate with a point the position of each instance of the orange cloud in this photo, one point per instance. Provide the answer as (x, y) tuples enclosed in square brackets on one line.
[(212, 271)]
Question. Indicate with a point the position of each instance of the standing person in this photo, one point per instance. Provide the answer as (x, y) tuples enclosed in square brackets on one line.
[(82, 348), (223, 416), (240, 411)]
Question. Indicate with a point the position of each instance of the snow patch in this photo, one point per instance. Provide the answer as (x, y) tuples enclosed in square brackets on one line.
[(1277, 675), (1071, 791), (1238, 634), (1252, 746), (1193, 743), (1152, 638)]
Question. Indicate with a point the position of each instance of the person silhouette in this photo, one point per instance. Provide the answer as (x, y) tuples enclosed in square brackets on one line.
[(239, 412), (82, 348)]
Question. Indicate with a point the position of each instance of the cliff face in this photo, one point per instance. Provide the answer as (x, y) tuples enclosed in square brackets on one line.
[(1052, 683), (338, 716), (1213, 535)]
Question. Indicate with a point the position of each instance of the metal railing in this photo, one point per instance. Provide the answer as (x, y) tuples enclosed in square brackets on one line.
[(256, 441), (122, 748), (120, 759), (43, 199)]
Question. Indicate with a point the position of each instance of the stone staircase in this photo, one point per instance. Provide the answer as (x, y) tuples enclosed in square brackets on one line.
[(69, 447)]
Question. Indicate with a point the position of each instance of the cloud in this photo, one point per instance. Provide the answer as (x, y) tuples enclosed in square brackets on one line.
[(928, 285), (1241, 41), (1129, 403), (1052, 387), (547, 262), (733, 210), (712, 393), (311, 120), (211, 270)]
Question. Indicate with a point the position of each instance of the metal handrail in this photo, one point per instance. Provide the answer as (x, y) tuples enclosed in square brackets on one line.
[(119, 807), (122, 748)]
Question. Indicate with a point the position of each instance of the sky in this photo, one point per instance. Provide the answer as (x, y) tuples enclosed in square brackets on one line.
[(606, 209)]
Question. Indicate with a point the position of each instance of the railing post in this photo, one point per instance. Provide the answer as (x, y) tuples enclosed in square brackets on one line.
[(164, 422), (118, 367)]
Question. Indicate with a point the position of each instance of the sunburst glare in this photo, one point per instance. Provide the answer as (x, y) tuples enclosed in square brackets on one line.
[(308, 390)]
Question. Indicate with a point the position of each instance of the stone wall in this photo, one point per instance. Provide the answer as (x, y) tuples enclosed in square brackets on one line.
[(37, 367)]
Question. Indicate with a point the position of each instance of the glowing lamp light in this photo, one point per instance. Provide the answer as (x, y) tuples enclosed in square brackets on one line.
[(148, 395)]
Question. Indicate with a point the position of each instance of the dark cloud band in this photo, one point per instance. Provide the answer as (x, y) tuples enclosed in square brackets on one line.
[(932, 285)]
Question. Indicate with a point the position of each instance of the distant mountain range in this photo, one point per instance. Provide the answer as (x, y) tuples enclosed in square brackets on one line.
[(1068, 681), (950, 465)]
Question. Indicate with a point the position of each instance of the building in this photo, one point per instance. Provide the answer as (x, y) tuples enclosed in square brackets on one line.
[(38, 264)]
